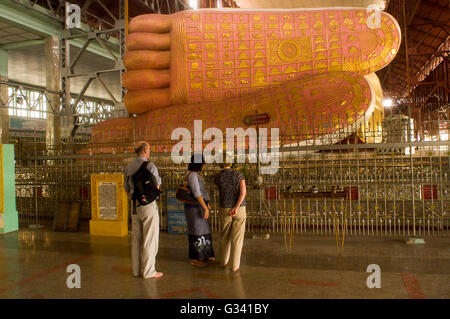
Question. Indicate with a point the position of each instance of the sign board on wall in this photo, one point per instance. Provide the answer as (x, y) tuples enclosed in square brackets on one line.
[(352, 192), (271, 193), (176, 220), (26, 124), (429, 192), (255, 119)]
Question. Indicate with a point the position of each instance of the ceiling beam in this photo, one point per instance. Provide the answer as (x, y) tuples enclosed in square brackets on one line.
[(434, 5), (414, 10), (24, 18), (17, 14), (428, 19), (428, 34), (20, 44), (420, 45), (3, 63), (401, 62)]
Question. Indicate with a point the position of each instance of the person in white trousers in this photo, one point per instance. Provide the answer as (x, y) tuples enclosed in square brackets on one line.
[(145, 223)]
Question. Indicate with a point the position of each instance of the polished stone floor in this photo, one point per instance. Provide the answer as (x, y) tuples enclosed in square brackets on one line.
[(33, 265)]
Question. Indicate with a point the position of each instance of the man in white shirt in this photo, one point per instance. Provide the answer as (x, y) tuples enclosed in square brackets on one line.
[(145, 223)]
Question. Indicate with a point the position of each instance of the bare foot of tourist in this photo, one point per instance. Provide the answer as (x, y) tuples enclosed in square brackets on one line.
[(198, 263)]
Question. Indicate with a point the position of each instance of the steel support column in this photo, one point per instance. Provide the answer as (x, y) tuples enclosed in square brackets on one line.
[(123, 24), (4, 116), (53, 83), (88, 39)]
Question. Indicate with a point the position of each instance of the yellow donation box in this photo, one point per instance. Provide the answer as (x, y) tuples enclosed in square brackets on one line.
[(109, 206)]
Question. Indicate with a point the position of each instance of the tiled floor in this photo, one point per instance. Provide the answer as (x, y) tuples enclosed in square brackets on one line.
[(33, 265)]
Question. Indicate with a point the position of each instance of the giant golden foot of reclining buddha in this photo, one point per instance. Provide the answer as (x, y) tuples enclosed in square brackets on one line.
[(312, 68)]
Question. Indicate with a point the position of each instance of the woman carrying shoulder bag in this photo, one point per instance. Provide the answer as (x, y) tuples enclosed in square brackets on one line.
[(199, 230)]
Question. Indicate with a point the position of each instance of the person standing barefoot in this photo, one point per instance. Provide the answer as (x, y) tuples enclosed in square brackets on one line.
[(199, 229), (232, 191)]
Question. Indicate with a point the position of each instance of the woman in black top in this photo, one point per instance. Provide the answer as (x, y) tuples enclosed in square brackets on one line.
[(232, 191)]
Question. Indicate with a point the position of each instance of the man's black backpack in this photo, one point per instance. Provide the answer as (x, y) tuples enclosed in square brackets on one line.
[(145, 190)]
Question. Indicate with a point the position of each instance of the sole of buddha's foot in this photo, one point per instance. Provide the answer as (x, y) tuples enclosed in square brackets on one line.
[(300, 109), (217, 54)]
